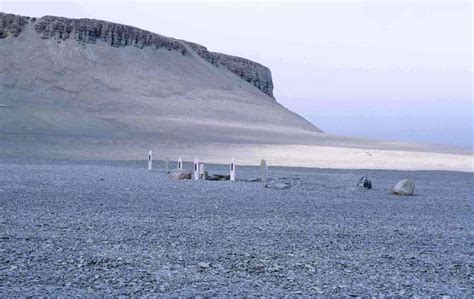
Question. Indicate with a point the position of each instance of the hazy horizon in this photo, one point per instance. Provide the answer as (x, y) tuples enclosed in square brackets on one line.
[(388, 70)]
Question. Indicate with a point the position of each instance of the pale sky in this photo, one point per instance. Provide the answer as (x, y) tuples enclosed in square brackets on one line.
[(399, 70)]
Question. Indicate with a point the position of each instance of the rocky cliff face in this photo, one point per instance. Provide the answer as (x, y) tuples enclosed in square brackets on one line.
[(116, 35), (12, 25), (250, 71)]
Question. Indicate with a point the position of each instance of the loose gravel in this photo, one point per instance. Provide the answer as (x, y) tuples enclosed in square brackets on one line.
[(95, 228)]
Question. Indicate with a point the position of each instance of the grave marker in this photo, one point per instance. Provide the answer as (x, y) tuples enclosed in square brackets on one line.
[(196, 169), (149, 160), (167, 165), (232, 170), (263, 171)]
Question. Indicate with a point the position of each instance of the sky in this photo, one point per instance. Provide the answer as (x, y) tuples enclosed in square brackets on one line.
[(393, 70)]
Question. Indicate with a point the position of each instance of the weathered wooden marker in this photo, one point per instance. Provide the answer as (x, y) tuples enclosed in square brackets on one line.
[(167, 165), (202, 171), (196, 169), (150, 160), (180, 163), (263, 171), (232, 170)]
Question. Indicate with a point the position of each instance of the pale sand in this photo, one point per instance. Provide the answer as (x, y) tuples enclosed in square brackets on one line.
[(285, 155), (330, 157), (297, 155)]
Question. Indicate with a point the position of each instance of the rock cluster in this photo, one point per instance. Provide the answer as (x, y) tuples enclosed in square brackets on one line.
[(89, 31), (181, 174)]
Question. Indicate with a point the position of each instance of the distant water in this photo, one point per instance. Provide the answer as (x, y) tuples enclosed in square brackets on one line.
[(456, 130), (448, 122)]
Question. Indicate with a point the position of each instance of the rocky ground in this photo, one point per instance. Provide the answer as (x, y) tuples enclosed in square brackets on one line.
[(97, 228)]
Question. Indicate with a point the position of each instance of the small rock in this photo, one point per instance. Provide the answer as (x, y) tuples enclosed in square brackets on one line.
[(310, 268), (365, 183), (218, 177), (404, 187), (203, 265), (180, 174), (252, 180), (278, 186)]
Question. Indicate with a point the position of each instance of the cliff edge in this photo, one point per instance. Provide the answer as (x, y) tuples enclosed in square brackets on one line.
[(117, 35)]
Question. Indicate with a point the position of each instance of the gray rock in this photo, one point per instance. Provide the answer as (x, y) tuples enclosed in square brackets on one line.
[(365, 183), (218, 177), (181, 174), (203, 265), (404, 187), (278, 186)]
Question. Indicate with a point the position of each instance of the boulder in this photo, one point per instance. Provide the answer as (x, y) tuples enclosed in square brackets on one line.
[(180, 174), (365, 183), (404, 187)]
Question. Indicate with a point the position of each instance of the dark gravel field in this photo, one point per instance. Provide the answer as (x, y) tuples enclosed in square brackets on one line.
[(85, 228)]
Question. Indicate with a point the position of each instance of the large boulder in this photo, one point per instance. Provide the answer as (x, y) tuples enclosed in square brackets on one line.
[(180, 174), (404, 187)]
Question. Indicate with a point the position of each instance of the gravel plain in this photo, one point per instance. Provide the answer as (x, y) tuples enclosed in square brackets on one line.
[(95, 228)]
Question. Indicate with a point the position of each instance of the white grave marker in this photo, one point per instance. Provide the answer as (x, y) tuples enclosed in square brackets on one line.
[(232, 170), (150, 158), (180, 163), (196, 169), (263, 171)]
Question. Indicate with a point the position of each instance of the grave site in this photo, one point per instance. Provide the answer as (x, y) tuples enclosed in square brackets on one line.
[(135, 164)]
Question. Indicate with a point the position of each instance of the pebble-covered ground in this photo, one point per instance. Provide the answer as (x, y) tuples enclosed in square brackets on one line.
[(97, 228)]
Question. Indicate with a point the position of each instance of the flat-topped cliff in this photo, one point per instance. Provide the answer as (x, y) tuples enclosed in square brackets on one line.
[(117, 35), (85, 78)]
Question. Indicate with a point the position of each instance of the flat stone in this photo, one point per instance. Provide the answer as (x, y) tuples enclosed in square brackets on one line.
[(180, 174), (203, 265), (278, 186)]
